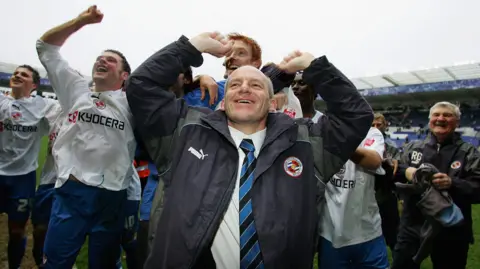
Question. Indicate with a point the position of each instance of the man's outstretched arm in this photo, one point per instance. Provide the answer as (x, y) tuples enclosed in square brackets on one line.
[(348, 117), (67, 83)]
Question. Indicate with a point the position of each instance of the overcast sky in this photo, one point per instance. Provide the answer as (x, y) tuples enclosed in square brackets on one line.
[(361, 37)]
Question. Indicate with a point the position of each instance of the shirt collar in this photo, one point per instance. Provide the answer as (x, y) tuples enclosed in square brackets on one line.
[(257, 138)]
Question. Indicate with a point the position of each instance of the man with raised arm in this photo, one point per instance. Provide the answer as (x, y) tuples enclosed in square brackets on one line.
[(93, 151), (241, 189)]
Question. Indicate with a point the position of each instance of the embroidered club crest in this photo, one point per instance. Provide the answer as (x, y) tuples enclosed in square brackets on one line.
[(293, 167), (455, 165), (99, 103), (369, 142), (16, 115), (290, 112)]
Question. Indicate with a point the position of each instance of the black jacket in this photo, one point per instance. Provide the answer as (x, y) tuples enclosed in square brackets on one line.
[(456, 158), (198, 190)]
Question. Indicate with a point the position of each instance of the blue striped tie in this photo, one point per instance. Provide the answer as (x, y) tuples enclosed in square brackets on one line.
[(250, 255)]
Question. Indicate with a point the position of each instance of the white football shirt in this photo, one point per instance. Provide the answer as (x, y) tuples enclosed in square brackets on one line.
[(23, 123), (134, 190), (226, 243), (49, 173), (96, 143), (351, 215)]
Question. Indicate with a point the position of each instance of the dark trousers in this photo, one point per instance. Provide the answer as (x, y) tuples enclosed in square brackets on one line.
[(447, 252), (142, 243), (390, 219)]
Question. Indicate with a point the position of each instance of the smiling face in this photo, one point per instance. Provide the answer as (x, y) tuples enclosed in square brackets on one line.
[(245, 51), (443, 120), (248, 96), (302, 91), (108, 70), (22, 82), (379, 122)]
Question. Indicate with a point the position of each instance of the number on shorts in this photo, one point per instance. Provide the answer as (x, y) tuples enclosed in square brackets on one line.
[(22, 205), (129, 221)]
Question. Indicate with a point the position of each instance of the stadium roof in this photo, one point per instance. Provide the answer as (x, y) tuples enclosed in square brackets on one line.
[(10, 68), (432, 75)]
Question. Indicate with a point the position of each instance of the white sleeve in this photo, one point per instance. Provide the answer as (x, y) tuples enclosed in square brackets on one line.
[(67, 83), (294, 103), (52, 112), (4, 107), (375, 141)]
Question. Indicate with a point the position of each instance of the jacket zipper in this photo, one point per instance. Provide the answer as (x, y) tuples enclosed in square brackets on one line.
[(221, 208), (438, 148)]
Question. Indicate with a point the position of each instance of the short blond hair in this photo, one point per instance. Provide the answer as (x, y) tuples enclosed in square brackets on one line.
[(379, 116)]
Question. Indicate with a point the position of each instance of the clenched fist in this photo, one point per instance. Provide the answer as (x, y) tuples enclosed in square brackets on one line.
[(296, 61), (212, 43), (91, 16)]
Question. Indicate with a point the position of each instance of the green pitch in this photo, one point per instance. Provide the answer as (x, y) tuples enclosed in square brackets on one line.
[(473, 256)]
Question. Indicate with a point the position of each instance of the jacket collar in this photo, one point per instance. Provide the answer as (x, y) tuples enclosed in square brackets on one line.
[(277, 123), (455, 139)]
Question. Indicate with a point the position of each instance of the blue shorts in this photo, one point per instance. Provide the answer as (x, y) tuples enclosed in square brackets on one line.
[(42, 204), (131, 216), (16, 194), (148, 195), (368, 255), (79, 210)]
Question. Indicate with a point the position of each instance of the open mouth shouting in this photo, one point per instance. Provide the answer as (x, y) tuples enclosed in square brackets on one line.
[(101, 69)]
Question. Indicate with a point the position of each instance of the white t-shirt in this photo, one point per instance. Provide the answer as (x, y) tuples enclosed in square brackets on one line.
[(226, 244), (292, 107), (351, 214), (49, 172), (134, 190), (317, 116), (96, 143), (23, 123)]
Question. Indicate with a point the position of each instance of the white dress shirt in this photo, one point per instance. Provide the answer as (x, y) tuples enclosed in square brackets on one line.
[(226, 244)]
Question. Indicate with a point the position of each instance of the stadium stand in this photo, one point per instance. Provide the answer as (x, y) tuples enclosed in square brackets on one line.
[(404, 98), (45, 89)]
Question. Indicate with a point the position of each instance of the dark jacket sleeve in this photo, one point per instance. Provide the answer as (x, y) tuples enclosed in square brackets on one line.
[(279, 78), (155, 109), (346, 122), (403, 163), (468, 185)]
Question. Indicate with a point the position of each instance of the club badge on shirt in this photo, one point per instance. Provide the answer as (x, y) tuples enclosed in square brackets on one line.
[(16, 115), (293, 166), (369, 142), (456, 165), (99, 103), (290, 112)]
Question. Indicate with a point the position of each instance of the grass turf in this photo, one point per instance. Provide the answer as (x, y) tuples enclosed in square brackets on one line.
[(473, 255)]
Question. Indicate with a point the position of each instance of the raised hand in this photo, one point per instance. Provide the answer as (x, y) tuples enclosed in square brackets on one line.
[(212, 43), (91, 16), (296, 61)]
